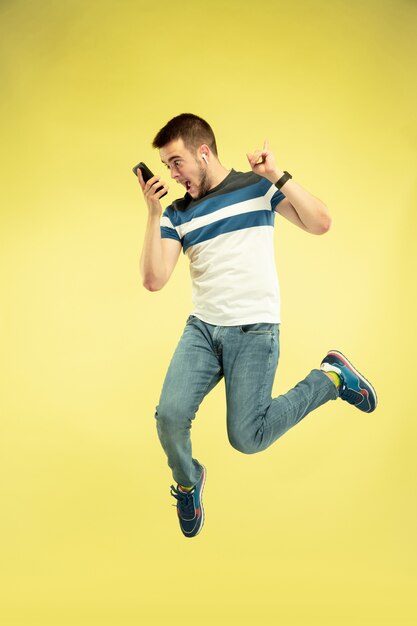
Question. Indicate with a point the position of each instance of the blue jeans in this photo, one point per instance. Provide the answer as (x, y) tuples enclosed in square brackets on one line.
[(247, 358)]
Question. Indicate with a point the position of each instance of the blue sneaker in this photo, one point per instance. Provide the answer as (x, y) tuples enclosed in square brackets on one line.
[(190, 507), (354, 387)]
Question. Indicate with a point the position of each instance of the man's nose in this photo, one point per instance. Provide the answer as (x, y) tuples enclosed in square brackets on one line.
[(174, 172)]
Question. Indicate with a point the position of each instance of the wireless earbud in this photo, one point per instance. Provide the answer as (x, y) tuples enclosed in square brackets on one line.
[(203, 156)]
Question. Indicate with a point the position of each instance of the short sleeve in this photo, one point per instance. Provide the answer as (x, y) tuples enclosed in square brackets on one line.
[(276, 198), (168, 230)]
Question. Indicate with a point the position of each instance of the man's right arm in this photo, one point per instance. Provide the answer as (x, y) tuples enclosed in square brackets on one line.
[(159, 256)]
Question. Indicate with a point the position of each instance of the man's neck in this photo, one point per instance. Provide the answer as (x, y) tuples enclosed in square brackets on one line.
[(217, 174)]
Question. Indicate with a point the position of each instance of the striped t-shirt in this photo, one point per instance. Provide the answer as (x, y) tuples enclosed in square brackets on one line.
[(228, 236)]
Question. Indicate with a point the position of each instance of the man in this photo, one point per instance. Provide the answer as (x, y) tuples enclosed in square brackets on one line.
[(224, 223)]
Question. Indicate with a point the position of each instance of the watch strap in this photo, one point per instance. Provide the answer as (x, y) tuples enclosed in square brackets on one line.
[(286, 176)]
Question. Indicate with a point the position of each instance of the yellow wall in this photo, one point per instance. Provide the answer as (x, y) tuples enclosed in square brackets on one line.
[(321, 528)]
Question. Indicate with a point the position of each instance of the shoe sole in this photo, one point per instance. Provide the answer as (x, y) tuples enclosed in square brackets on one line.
[(362, 378)]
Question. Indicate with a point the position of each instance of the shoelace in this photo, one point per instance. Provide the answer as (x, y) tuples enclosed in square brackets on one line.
[(185, 501), (349, 394)]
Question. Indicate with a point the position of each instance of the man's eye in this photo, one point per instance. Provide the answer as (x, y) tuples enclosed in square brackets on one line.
[(177, 163)]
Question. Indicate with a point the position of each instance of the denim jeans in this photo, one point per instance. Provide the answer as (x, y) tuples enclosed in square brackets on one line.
[(247, 358)]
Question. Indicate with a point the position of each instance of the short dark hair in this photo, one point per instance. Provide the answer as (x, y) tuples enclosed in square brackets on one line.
[(193, 130)]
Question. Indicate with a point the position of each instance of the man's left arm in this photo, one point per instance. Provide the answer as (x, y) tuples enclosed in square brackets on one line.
[(299, 206)]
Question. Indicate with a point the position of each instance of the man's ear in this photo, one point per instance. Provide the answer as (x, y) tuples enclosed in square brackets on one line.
[(204, 152)]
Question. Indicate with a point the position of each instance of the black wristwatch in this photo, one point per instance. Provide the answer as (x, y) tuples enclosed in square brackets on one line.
[(286, 176)]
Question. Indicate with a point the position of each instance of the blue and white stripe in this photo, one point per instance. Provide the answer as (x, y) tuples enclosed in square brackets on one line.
[(228, 237)]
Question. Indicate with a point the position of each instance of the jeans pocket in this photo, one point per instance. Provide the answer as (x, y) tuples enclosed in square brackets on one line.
[(262, 328)]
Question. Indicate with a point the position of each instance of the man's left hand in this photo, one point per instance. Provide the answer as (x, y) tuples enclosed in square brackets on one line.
[(262, 162)]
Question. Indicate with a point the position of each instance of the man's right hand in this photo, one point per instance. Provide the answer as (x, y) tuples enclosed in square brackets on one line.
[(150, 193)]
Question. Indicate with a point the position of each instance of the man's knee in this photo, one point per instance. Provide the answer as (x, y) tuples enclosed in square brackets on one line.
[(244, 445), (172, 417)]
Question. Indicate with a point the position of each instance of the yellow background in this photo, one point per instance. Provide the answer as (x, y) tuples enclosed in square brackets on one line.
[(321, 528)]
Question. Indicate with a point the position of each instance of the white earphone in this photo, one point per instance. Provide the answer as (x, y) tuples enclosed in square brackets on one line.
[(203, 156)]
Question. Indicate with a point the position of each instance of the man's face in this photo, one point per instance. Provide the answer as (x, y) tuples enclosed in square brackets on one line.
[(185, 168)]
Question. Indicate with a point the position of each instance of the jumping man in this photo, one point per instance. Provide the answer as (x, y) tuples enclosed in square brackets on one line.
[(225, 225)]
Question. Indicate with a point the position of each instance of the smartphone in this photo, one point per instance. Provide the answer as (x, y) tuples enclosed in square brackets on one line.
[(146, 174)]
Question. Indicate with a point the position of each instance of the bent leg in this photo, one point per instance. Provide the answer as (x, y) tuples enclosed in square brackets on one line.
[(194, 370), (254, 419)]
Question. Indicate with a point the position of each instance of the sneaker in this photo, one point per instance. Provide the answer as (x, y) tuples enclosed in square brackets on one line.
[(190, 507), (354, 388)]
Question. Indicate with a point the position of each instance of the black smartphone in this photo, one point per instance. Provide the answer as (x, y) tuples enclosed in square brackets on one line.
[(146, 174)]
